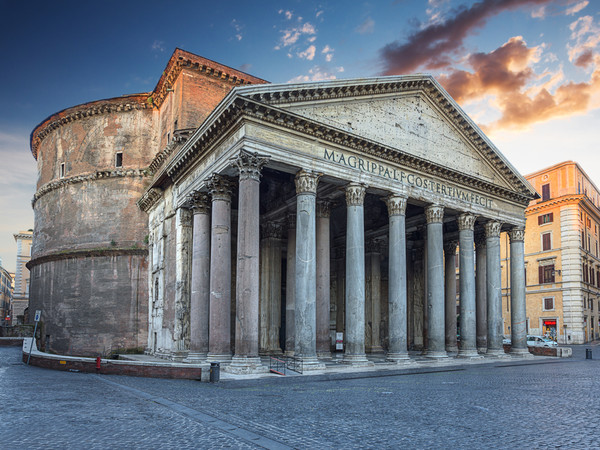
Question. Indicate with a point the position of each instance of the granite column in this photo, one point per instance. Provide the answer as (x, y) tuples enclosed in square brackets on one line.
[(466, 251), (480, 292), (518, 313), (450, 295), (290, 320), (323, 280)]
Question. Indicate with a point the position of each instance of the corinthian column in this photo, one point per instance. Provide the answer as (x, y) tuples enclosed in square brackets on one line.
[(397, 297), (436, 340), (200, 295), (355, 276), (493, 289), (246, 359), (323, 279), (480, 292), (270, 290), (306, 270), (450, 295), (183, 224), (518, 313), (468, 324), (219, 348), (290, 294)]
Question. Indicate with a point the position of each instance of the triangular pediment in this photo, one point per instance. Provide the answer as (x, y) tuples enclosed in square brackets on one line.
[(411, 114)]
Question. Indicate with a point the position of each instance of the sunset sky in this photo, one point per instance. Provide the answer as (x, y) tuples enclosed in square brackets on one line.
[(527, 71)]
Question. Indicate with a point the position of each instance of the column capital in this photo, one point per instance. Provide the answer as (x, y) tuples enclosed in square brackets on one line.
[(220, 187), (355, 194), (291, 221), (199, 202), (517, 234), (250, 164), (434, 213), (324, 208), (492, 228), (306, 182), (466, 221), (396, 204), (272, 230), (450, 247)]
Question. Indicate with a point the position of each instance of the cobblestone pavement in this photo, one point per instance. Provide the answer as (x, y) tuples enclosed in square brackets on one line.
[(517, 404)]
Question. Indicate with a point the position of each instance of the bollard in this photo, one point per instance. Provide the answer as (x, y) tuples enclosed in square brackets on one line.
[(98, 362), (215, 372), (588, 353)]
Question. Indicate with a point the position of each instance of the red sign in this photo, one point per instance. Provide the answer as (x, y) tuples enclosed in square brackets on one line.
[(549, 323)]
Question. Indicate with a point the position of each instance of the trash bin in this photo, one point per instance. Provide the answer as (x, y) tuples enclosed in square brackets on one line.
[(588, 353), (215, 372)]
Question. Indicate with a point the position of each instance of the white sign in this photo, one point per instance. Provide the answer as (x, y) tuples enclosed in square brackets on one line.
[(339, 341), (38, 314)]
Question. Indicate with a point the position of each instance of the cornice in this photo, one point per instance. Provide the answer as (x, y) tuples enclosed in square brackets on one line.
[(99, 174), (85, 253), (119, 104), (575, 198), (179, 138), (149, 199)]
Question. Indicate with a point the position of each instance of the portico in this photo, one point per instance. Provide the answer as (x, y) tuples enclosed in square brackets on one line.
[(339, 206)]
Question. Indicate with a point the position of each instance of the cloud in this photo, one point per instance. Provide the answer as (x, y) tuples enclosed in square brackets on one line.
[(316, 74), (434, 46), (245, 67), (309, 53), (238, 27), (521, 96), (288, 14), (576, 8), (328, 52), (291, 36), (158, 46), (366, 27), (539, 13), (318, 13), (586, 36)]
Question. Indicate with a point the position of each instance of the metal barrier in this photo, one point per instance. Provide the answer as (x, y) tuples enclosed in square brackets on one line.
[(294, 364), (277, 365)]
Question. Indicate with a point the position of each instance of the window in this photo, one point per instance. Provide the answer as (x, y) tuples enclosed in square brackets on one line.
[(546, 273), (585, 273), (582, 240), (62, 170), (548, 304), (546, 241), (119, 159), (545, 192), (589, 222), (545, 218)]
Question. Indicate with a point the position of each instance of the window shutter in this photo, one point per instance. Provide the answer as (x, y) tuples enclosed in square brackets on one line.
[(545, 192), (551, 217), (541, 274), (540, 219), (551, 273), (546, 241)]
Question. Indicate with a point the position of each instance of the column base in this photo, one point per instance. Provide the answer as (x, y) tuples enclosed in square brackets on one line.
[(324, 355), (357, 360), (244, 365), (481, 349), (289, 353), (310, 363), (520, 353), (179, 355), (195, 358), (377, 350), (452, 349), (224, 358), (469, 354), (398, 358), (496, 353), (437, 355)]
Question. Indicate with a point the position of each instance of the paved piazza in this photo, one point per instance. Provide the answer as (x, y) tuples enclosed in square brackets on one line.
[(514, 404)]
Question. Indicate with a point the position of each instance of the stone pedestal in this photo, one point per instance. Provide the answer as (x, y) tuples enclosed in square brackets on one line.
[(468, 323), (306, 270), (397, 290), (200, 289), (323, 280), (436, 339), (355, 276), (247, 274), (450, 295), (220, 270)]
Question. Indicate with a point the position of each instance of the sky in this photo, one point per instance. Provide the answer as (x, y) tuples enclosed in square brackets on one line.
[(526, 71)]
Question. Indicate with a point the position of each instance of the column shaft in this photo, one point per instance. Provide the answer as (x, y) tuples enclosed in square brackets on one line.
[(182, 283), (436, 342), (290, 294), (480, 293), (375, 295), (493, 289), (323, 280), (450, 295)]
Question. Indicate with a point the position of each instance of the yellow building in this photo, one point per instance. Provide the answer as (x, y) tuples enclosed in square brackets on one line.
[(562, 264), (6, 292), (21, 292)]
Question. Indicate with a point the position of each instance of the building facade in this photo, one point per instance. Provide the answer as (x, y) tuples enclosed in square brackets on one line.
[(265, 219), (295, 211), (22, 277), (561, 256), (6, 296)]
